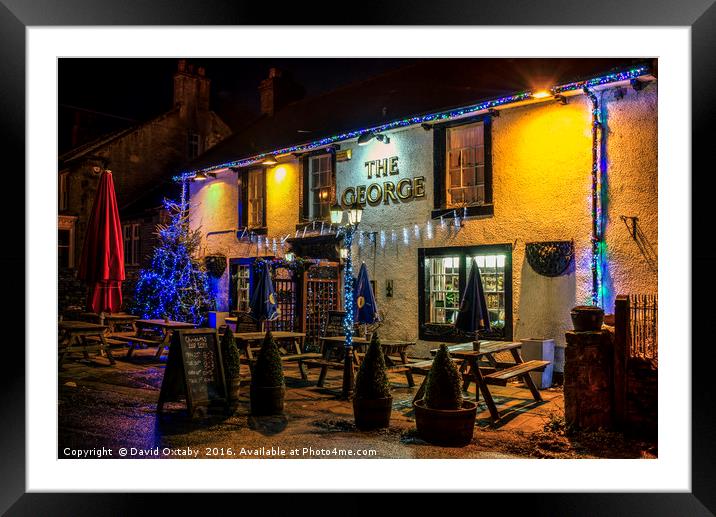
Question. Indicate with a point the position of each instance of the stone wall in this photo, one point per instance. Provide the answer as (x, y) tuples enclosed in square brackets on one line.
[(71, 292)]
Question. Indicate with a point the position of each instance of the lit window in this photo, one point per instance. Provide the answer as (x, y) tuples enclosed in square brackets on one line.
[(443, 288), (321, 186), (256, 186), (242, 288), (466, 165)]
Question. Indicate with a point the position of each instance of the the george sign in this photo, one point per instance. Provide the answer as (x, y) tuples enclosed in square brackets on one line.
[(194, 371), (384, 192)]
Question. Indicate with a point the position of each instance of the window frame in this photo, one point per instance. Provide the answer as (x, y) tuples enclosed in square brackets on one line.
[(440, 169), (132, 243), (306, 199), (445, 331), (193, 138), (244, 205), (63, 192)]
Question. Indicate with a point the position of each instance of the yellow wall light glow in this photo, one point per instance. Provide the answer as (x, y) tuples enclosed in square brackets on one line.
[(279, 174), (541, 94)]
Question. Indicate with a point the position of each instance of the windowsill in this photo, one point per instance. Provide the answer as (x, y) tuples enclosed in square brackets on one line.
[(487, 210), (258, 230), (317, 222)]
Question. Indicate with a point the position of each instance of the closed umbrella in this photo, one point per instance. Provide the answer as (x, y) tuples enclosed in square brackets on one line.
[(473, 316), (102, 260), (366, 309), (262, 303)]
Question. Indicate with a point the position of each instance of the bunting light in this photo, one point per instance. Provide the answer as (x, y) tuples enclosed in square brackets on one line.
[(632, 73)]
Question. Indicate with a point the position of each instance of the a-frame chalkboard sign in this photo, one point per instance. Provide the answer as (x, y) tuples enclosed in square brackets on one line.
[(194, 372)]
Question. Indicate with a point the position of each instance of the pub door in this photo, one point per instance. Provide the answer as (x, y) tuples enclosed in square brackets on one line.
[(321, 294)]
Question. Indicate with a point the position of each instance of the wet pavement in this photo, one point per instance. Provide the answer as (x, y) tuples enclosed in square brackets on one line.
[(104, 410)]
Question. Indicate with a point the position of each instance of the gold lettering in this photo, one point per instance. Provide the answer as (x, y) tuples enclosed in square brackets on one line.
[(374, 188), (344, 198), (389, 190), (401, 184), (419, 186), (360, 194), (369, 165), (380, 167), (393, 168)]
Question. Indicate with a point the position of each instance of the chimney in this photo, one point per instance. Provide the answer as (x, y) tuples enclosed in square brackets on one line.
[(191, 89), (277, 91)]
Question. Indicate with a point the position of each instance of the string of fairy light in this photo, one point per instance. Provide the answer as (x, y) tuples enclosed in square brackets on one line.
[(442, 116)]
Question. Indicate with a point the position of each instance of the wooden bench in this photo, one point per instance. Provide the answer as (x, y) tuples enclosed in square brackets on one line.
[(133, 341), (500, 377)]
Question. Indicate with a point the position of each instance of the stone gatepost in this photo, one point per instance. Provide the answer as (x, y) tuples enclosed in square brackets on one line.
[(588, 380)]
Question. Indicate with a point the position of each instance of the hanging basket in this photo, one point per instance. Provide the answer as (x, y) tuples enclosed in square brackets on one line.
[(215, 265), (550, 258)]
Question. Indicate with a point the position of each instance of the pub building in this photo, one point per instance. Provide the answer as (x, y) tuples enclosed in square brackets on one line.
[(544, 171)]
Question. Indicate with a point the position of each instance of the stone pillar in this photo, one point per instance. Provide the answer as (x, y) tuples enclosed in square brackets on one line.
[(588, 384)]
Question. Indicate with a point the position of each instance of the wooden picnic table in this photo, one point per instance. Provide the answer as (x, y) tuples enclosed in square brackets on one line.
[(493, 373), (395, 353), (143, 334), (293, 352), (82, 336), (114, 321)]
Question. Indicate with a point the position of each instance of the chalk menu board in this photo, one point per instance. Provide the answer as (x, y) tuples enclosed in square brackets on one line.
[(194, 371)]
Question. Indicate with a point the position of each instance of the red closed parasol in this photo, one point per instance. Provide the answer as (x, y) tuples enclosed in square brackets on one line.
[(102, 261)]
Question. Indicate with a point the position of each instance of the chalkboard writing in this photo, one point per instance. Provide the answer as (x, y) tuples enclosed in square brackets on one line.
[(194, 371)]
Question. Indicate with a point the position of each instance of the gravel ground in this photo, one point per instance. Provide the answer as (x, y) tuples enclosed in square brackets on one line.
[(114, 408)]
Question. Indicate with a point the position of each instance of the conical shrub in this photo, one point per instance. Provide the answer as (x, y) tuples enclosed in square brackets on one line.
[(230, 355), (443, 387), (372, 378), (268, 370)]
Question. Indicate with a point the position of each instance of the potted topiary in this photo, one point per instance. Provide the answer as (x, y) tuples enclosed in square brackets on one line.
[(372, 402), (267, 386), (442, 416), (232, 365)]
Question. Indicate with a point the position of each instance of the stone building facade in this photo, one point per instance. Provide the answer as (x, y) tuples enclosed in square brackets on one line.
[(529, 164), (141, 158)]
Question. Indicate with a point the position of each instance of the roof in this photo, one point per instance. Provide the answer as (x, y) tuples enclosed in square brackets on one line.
[(425, 87)]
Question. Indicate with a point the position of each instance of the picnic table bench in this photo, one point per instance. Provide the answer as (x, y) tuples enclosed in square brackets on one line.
[(290, 353), (394, 352), (143, 334), (82, 336), (494, 373)]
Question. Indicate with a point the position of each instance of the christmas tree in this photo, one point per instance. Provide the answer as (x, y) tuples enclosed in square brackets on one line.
[(176, 285)]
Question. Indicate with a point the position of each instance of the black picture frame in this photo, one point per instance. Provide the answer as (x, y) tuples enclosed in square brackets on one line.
[(700, 15)]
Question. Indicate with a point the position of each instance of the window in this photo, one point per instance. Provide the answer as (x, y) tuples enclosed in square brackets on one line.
[(442, 276), (321, 185), (194, 145), (131, 244), (463, 167), (466, 165), (242, 287), (257, 185), (63, 194), (252, 198), (63, 248)]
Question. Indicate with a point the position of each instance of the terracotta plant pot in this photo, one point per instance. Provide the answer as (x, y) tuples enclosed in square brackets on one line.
[(267, 401), (372, 413), (232, 388), (450, 427), (587, 318)]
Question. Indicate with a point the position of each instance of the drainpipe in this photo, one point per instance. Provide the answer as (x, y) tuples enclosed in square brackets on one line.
[(597, 137)]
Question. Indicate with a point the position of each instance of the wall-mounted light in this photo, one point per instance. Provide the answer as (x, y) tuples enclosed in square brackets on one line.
[(336, 214), (355, 213), (365, 138), (344, 253), (561, 99), (493, 112), (541, 94), (200, 176), (426, 126), (270, 160), (289, 256)]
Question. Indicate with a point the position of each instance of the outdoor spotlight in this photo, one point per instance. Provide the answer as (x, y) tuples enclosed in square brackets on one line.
[(365, 138), (336, 214), (493, 112), (382, 138), (200, 176), (344, 253), (289, 256), (426, 127), (270, 160), (561, 99), (541, 94)]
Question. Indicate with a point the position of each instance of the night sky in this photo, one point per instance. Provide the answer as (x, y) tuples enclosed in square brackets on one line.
[(140, 88)]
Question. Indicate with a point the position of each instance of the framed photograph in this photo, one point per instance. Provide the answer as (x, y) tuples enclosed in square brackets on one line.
[(270, 147)]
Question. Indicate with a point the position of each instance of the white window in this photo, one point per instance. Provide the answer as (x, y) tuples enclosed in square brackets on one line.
[(131, 244), (492, 274), (443, 285), (321, 186), (63, 194), (242, 288), (256, 198), (466, 165)]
